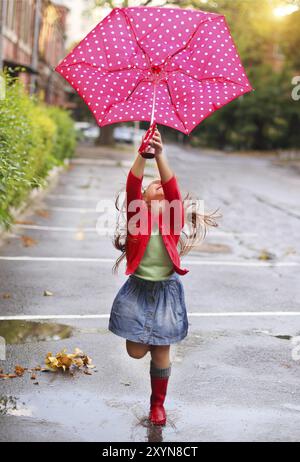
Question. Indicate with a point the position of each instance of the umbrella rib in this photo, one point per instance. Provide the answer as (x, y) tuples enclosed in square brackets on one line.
[(147, 57), (130, 25), (106, 111), (117, 102), (131, 93), (175, 109), (134, 34), (210, 78), (97, 68), (109, 71), (192, 35)]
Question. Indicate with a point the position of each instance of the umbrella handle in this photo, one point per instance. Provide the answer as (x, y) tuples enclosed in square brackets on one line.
[(145, 143), (150, 132)]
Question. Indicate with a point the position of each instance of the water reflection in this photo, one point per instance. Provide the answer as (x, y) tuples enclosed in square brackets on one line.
[(7, 403), (26, 332)]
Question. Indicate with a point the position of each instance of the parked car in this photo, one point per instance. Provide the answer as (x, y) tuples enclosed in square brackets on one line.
[(128, 135), (92, 133), (138, 134), (81, 126), (123, 134), (87, 130)]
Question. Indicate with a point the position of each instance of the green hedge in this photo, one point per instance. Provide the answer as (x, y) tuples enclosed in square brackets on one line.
[(33, 139)]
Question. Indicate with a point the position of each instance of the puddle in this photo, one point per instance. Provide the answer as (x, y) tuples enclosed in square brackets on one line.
[(281, 336), (292, 407), (90, 416), (15, 332), (7, 403), (27, 332), (9, 406)]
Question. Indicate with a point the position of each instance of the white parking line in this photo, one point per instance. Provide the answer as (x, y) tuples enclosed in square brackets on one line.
[(73, 209), (83, 161), (90, 210), (244, 314), (190, 314), (217, 233), (102, 162), (90, 230), (56, 228), (58, 259), (253, 263), (74, 198)]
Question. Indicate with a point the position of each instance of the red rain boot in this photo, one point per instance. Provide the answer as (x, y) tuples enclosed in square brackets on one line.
[(157, 413)]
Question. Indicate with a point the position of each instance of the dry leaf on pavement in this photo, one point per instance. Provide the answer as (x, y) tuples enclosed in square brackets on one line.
[(24, 222), (8, 376), (28, 241), (42, 213), (61, 361), (19, 370), (6, 295), (68, 361), (48, 293), (266, 255)]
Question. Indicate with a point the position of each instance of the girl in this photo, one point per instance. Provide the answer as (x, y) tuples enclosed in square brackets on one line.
[(149, 309)]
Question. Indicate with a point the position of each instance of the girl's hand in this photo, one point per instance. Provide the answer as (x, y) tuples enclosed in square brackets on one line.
[(156, 143)]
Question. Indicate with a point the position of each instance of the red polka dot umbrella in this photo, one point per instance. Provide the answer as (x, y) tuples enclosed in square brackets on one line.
[(169, 66)]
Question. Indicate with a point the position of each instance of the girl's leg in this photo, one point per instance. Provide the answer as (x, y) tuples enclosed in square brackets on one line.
[(160, 371), (160, 355), (136, 350)]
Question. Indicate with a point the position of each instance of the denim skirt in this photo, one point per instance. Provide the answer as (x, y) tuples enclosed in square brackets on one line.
[(150, 312)]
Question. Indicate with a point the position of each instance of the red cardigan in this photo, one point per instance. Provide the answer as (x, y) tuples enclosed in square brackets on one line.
[(136, 243)]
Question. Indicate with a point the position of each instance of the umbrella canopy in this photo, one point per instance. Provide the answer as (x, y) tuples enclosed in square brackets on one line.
[(169, 65)]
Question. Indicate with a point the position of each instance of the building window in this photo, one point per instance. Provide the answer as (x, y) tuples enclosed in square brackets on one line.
[(10, 21)]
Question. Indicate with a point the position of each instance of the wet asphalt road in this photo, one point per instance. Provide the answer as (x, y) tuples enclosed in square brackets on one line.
[(233, 378)]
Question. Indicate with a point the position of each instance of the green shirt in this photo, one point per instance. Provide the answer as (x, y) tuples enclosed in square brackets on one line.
[(156, 264)]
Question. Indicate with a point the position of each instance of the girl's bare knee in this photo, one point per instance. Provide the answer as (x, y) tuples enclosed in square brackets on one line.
[(136, 354), (136, 350)]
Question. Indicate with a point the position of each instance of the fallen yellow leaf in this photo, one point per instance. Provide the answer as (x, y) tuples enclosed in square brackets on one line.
[(47, 293), (19, 370), (42, 213), (28, 241), (68, 361)]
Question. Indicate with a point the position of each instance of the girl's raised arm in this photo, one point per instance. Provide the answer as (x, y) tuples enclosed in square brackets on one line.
[(161, 161), (134, 179), (164, 169), (167, 176), (138, 166)]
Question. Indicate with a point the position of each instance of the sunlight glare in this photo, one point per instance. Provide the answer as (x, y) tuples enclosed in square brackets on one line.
[(284, 10)]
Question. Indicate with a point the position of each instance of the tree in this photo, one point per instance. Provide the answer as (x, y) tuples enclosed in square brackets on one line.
[(290, 43)]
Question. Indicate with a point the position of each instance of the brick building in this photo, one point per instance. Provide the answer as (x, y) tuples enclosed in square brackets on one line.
[(33, 34)]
